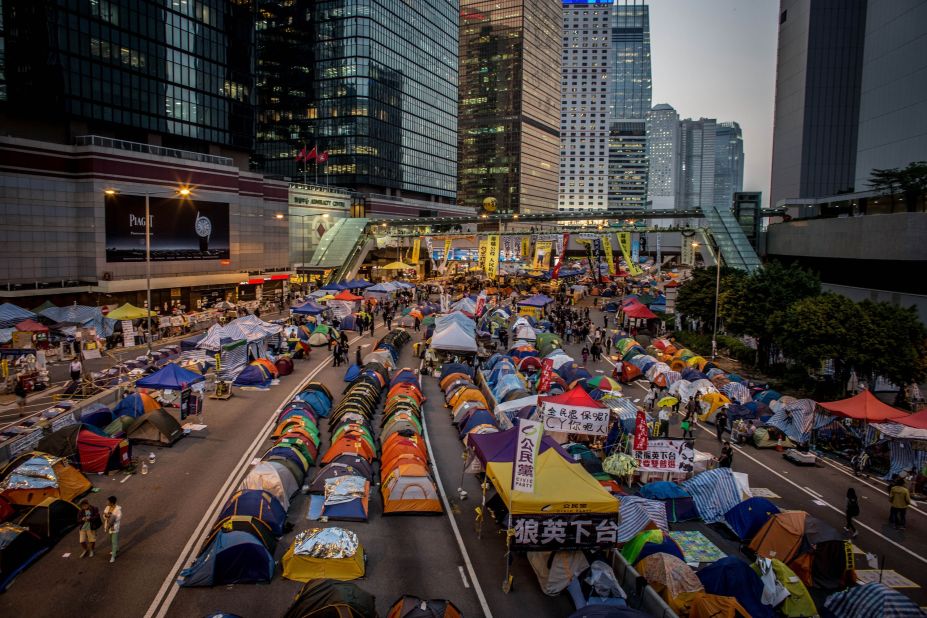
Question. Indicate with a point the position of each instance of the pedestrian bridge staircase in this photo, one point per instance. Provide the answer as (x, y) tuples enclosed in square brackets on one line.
[(736, 250), (342, 248)]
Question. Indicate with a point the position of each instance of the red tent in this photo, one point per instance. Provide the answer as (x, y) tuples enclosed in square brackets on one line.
[(346, 295), (98, 453), (863, 407), (639, 311), (575, 397), (917, 421), (31, 326)]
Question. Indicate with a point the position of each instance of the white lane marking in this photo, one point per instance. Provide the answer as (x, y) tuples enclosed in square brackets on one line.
[(126, 478), (812, 492), (161, 603), (450, 516), (830, 506), (846, 471), (463, 576)]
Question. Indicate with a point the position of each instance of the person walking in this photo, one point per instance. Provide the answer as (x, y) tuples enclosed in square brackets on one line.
[(418, 325), (649, 399), (357, 356), (373, 326), (687, 421), (900, 499), (596, 352), (20, 391), (664, 416), (727, 455), (851, 511), (76, 369), (585, 355), (112, 517), (88, 521), (721, 423)]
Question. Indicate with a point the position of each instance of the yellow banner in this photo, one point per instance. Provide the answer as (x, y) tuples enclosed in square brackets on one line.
[(416, 249), (542, 251), (525, 247), (482, 254), (447, 248), (492, 259), (624, 243), (609, 257)]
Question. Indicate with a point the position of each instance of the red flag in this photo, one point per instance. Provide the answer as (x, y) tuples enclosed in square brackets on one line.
[(480, 304), (566, 241), (301, 155), (323, 157), (547, 368), (640, 432), (312, 154)]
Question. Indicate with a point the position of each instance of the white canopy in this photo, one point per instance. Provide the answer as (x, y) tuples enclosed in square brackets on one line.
[(454, 339)]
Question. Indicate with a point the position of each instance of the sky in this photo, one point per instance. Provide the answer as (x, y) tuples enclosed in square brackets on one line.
[(717, 59)]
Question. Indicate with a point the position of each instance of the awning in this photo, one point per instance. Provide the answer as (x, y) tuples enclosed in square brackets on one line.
[(863, 407)]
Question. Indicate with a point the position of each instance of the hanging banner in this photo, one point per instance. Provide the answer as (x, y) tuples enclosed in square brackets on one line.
[(448, 243), (609, 256), (590, 258), (659, 252), (492, 258), (641, 432), (525, 247), (128, 334), (597, 253), (665, 456), (482, 254), (636, 248), (576, 419), (542, 251), (526, 455), (480, 304), (561, 256), (416, 249), (624, 244), (547, 370), (687, 252), (445, 303), (567, 531)]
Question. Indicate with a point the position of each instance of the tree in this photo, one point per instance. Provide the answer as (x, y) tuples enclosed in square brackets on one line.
[(696, 299), (756, 299), (910, 181), (896, 345), (821, 328)]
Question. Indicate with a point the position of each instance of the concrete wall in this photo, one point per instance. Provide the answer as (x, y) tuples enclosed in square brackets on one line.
[(883, 296), (900, 236)]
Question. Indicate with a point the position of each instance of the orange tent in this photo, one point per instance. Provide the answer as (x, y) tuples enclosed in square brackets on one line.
[(409, 489), (678, 365), (263, 362), (291, 424), (449, 378), (397, 445), (66, 481), (467, 394), (349, 445), (629, 372), (404, 388), (388, 465), (715, 606)]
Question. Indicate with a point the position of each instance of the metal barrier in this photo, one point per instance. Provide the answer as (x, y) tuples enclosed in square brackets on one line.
[(647, 600)]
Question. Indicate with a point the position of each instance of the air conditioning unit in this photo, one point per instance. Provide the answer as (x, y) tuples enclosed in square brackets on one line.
[(107, 276)]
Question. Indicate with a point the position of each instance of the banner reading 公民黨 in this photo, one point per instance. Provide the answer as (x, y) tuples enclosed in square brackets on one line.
[(526, 454)]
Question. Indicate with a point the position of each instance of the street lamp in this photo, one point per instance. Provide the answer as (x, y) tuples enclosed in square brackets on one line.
[(183, 192), (714, 328)]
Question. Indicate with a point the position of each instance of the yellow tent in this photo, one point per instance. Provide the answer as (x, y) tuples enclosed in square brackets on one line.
[(714, 401), (129, 312), (560, 486), (324, 553)]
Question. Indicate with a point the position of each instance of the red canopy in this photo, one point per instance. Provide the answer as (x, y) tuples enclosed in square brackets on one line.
[(917, 421), (863, 407), (639, 311), (577, 396), (346, 295), (31, 326)]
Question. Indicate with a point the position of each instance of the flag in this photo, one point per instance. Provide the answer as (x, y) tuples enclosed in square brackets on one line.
[(313, 155), (480, 304), (323, 157), (301, 155), (640, 432), (526, 454), (560, 258), (547, 368), (416, 248)]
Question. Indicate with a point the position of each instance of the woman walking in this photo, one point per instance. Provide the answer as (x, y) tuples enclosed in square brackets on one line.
[(852, 511)]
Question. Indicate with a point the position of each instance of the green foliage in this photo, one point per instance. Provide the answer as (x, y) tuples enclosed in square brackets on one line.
[(895, 343), (696, 297), (910, 181), (821, 328)]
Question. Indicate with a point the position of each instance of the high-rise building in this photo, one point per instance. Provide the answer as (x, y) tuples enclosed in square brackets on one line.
[(696, 187), (509, 121), (818, 75), (663, 155), (605, 98), (371, 82), (729, 162)]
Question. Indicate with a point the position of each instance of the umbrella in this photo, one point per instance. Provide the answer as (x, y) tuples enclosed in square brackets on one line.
[(397, 266), (667, 402), (604, 383)]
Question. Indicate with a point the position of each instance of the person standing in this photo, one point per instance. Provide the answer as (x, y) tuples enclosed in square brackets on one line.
[(721, 423), (89, 522), (664, 422), (852, 510), (20, 391), (76, 369), (687, 421), (727, 455), (418, 325), (357, 356), (388, 318), (649, 400), (112, 517), (900, 499)]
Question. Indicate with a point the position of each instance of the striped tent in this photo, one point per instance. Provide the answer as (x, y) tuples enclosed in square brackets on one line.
[(873, 599), (715, 492), (638, 514), (736, 390), (795, 420), (11, 315), (903, 457), (233, 358)]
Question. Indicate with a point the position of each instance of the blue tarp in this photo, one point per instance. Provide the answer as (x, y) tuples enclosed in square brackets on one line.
[(749, 516), (715, 493), (170, 377), (538, 300), (190, 342), (11, 315), (80, 315), (731, 577), (332, 287), (232, 558), (659, 490), (767, 397)]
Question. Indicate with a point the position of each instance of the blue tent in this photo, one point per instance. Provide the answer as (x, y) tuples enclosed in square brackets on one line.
[(352, 510), (730, 577), (348, 322), (190, 342), (232, 558), (767, 397), (352, 373), (259, 504), (11, 315), (679, 504), (170, 377), (308, 308), (660, 490), (131, 405), (97, 415), (749, 516), (317, 399), (252, 376), (477, 417), (406, 376), (449, 368), (332, 287), (692, 374)]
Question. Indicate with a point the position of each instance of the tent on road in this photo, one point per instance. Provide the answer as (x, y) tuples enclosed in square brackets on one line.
[(873, 599), (31, 478), (156, 427), (171, 377), (18, 549), (749, 516), (327, 598), (51, 519), (732, 577), (87, 449), (414, 607), (319, 553), (864, 407), (232, 558)]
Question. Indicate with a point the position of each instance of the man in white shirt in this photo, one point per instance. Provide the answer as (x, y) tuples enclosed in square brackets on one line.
[(664, 416), (76, 369), (112, 518)]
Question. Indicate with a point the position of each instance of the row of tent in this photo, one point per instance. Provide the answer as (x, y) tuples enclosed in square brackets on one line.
[(241, 545), (330, 598)]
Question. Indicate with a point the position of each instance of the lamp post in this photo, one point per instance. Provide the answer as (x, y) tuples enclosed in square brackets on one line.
[(714, 328), (183, 192)]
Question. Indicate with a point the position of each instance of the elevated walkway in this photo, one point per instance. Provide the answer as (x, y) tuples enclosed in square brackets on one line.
[(338, 243), (736, 250)]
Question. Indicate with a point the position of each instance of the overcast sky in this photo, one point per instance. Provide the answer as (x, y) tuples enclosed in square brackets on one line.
[(717, 59)]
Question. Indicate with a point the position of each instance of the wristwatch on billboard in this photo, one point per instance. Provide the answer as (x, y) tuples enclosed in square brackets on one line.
[(203, 228)]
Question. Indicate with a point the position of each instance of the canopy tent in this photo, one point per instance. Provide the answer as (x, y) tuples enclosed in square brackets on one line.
[(31, 326), (863, 407), (639, 312), (873, 599), (249, 328), (170, 377), (454, 339), (538, 300), (79, 315), (309, 308), (397, 266), (129, 311), (348, 296), (501, 446), (559, 485)]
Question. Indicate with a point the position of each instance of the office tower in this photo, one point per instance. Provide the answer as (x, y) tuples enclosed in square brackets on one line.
[(729, 162), (509, 135), (663, 155), (375, 88), (818, 76), (697, 163), (629, 93), (173, 74)]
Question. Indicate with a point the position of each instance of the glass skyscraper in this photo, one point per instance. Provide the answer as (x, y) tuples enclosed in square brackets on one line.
[(375, 87), (729, 163), (697, 163), (509, 105), (177, 74)]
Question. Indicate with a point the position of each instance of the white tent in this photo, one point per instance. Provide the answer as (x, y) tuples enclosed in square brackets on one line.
[(273, 477), (454, 339)]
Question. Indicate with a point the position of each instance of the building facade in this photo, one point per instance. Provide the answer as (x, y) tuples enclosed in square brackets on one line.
[(509, 115), (818, 78), (663, 156), (729, 162), (372, 83), (697, 163)]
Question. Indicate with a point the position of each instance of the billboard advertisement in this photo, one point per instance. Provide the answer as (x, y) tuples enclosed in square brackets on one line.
[(181, 229)]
